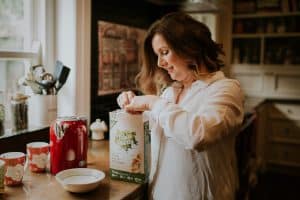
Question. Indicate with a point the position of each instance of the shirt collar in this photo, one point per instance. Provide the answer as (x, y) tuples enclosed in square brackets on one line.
[(204, 81), (208, 79)]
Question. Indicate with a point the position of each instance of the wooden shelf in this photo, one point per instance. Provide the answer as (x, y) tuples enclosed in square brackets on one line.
[(266, 14), (284, 140), (264, 35), (268, 67), (284, 163)]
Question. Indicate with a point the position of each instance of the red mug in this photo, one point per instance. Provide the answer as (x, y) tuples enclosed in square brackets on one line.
[(14, 167), (37, 156)]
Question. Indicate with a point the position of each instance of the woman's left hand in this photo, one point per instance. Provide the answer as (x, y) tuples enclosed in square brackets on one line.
[(141, 103)]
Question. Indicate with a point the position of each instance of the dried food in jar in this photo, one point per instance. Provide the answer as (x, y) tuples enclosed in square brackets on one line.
[(2, 119), (19, 112)]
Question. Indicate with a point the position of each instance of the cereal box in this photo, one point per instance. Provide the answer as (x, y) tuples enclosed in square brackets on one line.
[(129, 146)]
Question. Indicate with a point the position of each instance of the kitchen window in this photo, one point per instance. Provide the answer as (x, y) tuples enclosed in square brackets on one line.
[(17, 50), (26, 35)]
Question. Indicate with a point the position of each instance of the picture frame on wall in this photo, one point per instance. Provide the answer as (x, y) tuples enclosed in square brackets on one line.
[(119, 56)]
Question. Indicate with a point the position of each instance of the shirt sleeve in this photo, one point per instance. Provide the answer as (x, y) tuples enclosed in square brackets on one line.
[(220, 114)]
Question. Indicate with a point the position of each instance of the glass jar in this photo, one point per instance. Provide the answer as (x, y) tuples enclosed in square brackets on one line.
[(2, 119), (19, 112)]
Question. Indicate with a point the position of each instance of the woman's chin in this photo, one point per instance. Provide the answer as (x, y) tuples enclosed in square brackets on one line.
[(173, 77)]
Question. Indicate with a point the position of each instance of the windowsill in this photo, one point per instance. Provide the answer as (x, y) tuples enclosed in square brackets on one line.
[(10, 133), (16, 141)]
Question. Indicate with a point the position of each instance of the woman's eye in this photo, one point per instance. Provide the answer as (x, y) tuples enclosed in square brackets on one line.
[(164, 52)]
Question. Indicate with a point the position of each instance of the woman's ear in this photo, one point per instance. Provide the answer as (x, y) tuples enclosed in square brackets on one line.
[(192, 64)]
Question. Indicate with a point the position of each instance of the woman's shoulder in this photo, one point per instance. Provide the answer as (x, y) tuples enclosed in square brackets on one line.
[(226, 86), (226, 83)]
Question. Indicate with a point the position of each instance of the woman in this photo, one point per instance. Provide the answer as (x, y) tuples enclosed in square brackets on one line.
[(195, 119)]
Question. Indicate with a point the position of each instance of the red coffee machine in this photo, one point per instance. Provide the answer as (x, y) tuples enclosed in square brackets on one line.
[(68, 143)]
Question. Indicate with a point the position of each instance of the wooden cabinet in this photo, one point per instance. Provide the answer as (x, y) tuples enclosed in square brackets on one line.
[(266, 38), (282, 145), (265, 55), (277, 135), (284, 130)]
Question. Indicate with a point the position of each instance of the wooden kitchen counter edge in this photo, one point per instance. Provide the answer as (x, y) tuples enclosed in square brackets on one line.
[(44, 185)]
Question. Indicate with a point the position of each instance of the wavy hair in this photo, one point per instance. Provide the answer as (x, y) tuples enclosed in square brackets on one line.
[(189, 39)]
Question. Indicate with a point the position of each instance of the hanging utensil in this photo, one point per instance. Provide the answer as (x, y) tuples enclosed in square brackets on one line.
[(62, 76), (47, 83), (58, 67), (37, 71), (34, 86), (30, 81)]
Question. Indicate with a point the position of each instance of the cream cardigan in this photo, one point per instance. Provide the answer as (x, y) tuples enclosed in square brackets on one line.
[(192, 143)]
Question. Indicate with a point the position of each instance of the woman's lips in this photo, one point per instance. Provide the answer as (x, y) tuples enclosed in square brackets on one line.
[(170, 69)]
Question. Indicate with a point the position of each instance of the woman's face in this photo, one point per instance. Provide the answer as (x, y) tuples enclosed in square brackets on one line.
[(167, 59)]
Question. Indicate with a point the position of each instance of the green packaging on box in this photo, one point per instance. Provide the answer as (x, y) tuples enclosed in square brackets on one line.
[(129, 147)]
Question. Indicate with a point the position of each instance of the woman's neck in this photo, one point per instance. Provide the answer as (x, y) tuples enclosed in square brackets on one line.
[(188, 82)]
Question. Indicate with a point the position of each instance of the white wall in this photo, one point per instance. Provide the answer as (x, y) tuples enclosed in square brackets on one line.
[(211, 20), (73, 49)]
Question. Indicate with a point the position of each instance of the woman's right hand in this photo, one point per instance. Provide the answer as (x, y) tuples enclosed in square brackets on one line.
[(125, 98)]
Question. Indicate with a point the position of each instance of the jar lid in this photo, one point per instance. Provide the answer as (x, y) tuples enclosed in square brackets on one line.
[(19, 97)]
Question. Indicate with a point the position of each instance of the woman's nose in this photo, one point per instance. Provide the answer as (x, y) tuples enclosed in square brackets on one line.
[(161, 62)]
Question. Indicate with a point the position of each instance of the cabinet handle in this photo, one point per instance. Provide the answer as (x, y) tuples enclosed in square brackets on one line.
[(289, 111)]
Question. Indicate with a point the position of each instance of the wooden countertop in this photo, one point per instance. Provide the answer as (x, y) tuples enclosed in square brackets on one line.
[(44, 186)]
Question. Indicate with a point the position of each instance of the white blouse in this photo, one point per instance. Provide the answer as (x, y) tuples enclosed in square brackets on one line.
[(193, 142)]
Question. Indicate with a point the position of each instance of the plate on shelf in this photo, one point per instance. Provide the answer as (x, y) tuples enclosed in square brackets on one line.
[(79, 180)]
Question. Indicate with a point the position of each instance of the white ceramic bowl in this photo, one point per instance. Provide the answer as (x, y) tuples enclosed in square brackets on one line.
[(80, 180)]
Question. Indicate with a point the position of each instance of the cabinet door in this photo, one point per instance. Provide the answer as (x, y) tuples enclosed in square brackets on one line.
[(283, 154), (285, 131)]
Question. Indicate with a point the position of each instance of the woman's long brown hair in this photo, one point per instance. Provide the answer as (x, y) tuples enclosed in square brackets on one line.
[(189, 39)]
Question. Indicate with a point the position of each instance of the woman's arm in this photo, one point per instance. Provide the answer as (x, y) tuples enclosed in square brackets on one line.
[(219, 115)]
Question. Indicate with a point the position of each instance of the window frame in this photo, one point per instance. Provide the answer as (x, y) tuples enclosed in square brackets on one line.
[(39, 42), (39, 45)]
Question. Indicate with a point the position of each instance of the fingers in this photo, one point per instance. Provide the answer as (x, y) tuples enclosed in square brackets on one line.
[(133, 112), (130, 95), (134, 109), (125, 98), (136, 105)]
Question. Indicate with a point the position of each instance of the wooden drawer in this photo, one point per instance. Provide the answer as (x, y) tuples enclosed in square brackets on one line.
[(285, 130), (285, 154), (284, 111)]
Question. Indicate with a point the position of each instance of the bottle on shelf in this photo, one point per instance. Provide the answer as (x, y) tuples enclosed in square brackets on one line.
[(288, 56), (280, 28), (236, 55), (270, 27)]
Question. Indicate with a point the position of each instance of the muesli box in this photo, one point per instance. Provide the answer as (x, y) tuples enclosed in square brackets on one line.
[(129, 146)]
